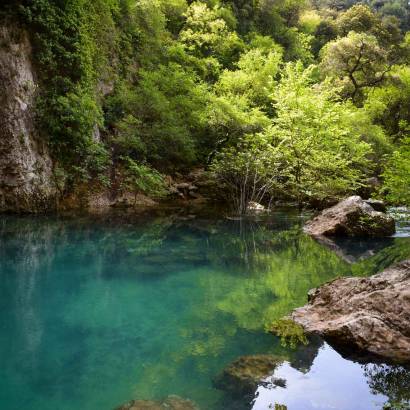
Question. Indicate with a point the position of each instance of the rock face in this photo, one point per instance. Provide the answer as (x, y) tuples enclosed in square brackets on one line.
[(170, 403), (370, 314), (242, 377), (25, 164), (351, 217)]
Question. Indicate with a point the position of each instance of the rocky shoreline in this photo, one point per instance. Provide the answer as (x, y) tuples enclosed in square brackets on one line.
[(370, 315)]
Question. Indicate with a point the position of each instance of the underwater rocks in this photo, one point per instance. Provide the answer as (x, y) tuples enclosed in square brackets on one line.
[(170, 403), (352, 217), (242, 377), (369, 314)]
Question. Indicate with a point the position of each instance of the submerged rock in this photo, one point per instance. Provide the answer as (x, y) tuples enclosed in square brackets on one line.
[(170, 403), (243, 376), (351, 217), (370, 314)]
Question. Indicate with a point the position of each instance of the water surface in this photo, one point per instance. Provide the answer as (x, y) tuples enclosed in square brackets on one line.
[(95, 311)]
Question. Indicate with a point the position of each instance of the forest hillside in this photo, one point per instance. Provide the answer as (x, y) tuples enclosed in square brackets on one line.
[(293, 100)]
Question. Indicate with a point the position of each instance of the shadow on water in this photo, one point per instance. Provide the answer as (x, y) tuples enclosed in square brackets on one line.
[(98, 311)]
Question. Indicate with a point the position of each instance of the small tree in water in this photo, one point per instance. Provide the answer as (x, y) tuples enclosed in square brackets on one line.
[(248, 172)]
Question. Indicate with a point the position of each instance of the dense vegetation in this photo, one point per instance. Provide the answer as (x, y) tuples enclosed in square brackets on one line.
[(278, 99)]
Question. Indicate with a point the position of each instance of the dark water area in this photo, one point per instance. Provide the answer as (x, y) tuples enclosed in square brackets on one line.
[(96, 311)]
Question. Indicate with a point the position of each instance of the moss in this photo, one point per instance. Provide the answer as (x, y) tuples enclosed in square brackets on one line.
[(291, 334)]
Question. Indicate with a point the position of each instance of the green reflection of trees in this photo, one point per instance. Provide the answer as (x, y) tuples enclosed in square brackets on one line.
[(391, 381), (237, 277), (397, 252), (278, 281)]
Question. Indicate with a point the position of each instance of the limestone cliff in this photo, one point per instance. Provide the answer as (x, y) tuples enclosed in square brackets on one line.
[(25, 164)]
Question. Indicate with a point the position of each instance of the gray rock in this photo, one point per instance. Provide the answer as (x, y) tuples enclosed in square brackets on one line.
[(26, 182), (170, 403), (351, 217), (242, 377), (376, 205), (369, 314), (255, 207), (183, 186)]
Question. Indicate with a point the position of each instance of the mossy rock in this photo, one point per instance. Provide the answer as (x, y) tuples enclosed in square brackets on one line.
[(170, 403), (243, 376)]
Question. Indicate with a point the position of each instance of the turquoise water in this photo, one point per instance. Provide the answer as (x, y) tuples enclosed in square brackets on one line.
[(96, 311)]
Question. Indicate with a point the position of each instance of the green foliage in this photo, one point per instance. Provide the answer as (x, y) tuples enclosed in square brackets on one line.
[(72, 41), (357, 61), (175, 84), (291, 334), (397, 174), (174, 11), (361, 19), (389, 105), (309, 21), (247, 172), (140, 178), (317, 148), (254, 79), (206, 34), (160, 117), (322, 148)]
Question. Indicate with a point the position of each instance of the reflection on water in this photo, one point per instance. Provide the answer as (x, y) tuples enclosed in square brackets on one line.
[(334, 383), (95, 312), (330, 383)]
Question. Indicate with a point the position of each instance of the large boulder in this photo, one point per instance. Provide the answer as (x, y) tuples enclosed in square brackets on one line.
[(170, 403), (351, 217), (371, 314)]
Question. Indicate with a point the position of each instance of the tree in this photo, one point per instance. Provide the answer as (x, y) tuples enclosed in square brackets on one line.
[(140, 178), (254, 78), (160, 119), (174, 11), (313, 152), (325, 32), (389, 105), (206, 34), (358, 18), (323, 151), (248, 171), (397, 175), (361, 19), (357, 61)]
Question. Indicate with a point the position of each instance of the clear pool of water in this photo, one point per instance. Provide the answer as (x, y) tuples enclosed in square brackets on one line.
[(96, 311)]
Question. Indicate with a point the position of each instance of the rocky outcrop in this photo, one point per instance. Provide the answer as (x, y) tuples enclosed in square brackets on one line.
[(170, 403), (25, 164), (195, 186), (352, 217), (370, 314), (243, 376)]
